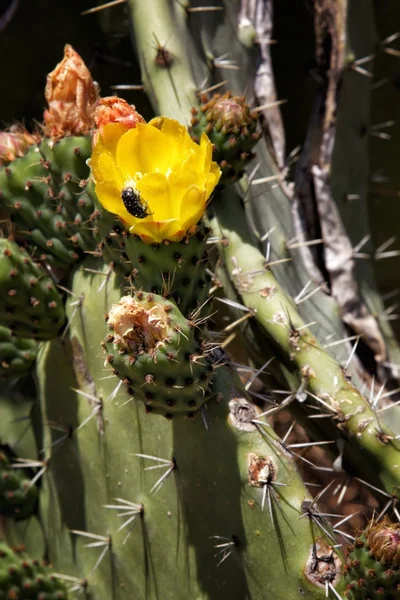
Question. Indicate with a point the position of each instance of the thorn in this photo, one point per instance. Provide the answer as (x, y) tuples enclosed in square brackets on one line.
[(80, 584), (268, 105), (222, 62), (392, 52), (198, 9), (356, 65), (266, 235), (127, 509), (233, 304), (236, 323), (381, 82), (338, 462), (278, 408), (26, 463), (266, 179), (115, 391), (164, 463), (204, 415), (278, 262), (353, 351), (212, 88), (78, 305), (391, 38), (290, 244), (95, 9), (329, 586), (342, 341), (225, 548), (127, 86), (373, 487), (361, 243), (257, 373)]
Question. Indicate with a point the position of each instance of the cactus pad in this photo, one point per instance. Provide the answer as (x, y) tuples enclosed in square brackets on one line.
[(43, 192), (18, 498), (373, 562), (155, 351), (29, 301), (24, 579), (17, 353)]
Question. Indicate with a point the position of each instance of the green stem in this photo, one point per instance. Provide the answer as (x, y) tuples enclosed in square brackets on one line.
[(325, 380)]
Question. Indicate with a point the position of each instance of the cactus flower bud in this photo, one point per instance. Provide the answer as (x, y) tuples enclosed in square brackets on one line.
[(115, 110), (384, 542), (14, 142), (72, 96), (231, 126)]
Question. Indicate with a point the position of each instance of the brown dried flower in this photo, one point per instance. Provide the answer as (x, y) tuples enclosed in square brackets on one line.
[(72, 96)]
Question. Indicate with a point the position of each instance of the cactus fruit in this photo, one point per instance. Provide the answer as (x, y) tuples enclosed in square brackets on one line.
[(154, 350), (22, 578), (17, 353), (30, 303), (232, 128), (373, 560), (18, 497)]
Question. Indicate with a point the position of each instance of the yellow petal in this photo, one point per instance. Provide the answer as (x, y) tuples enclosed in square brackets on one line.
[(179, 182), (155, 192), (110, 197), (212, 180), (144, 150), (193, 206), (106, 169), (156, 232), (206, 153)]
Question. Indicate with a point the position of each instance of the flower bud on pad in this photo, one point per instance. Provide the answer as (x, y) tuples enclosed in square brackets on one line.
[(157, 353), (231, 126), (372, 569)]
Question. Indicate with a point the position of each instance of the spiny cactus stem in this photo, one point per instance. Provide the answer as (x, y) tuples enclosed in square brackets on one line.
[(161, 36), (325, 379)]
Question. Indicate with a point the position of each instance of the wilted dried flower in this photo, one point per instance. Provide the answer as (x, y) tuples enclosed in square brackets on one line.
[(72, 96)]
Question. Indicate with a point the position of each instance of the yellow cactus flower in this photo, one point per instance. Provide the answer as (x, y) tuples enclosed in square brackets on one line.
[(154, 177)]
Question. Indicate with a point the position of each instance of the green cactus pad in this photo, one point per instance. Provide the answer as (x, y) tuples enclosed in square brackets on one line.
[(18, 498), (24, 579), (174, 270), (44, 194), (231, 126), (29, 301), (17, 353), (372, 569), (155, 351)]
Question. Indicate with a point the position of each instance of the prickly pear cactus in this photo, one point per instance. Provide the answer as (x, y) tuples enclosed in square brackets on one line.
[(23, 578), (136, 459)]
